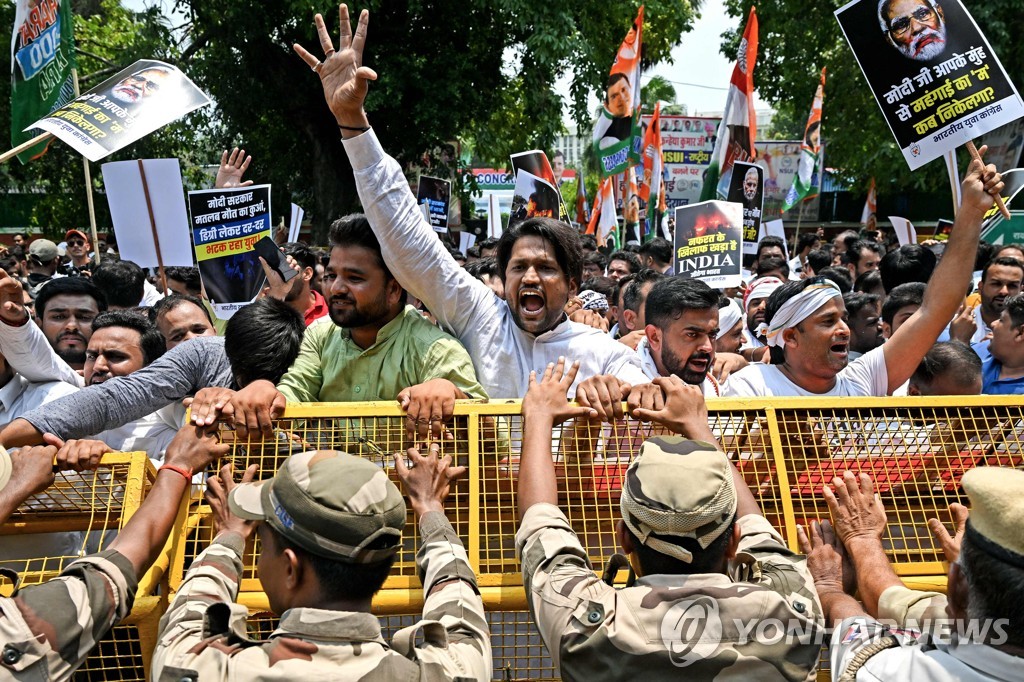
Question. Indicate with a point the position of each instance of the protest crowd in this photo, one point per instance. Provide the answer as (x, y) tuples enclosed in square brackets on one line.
[(100, 355)]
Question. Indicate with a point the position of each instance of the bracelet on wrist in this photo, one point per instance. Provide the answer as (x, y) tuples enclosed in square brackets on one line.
[(358, 129), (187, 473)]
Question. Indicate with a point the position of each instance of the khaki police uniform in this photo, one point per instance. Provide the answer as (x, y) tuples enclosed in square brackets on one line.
[(865, 649), (672, 627), (334, 505), (47, 630)]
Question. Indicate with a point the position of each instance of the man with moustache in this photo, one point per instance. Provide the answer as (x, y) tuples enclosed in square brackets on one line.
[(916, 28), (539, 259), (374, 347), (140, 85), (65, 309)]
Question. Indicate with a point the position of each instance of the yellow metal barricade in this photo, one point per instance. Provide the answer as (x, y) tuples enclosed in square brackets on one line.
[(916, 450), (83, 511)]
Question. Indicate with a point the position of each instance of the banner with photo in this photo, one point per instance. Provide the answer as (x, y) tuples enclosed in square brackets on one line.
[(779, 160), (534, 198), (124, 108), (436, 193), (225, 225), (617, 133), (536, 163), (42, 57), (746, 188), (686, 145), (708, 242), (932, 72)]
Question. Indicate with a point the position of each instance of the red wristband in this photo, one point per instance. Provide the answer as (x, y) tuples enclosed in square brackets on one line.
[(187, 473)]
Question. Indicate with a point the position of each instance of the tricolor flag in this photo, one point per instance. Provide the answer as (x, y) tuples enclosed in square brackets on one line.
[(603, 219), (738, 129), (870, 205), (651, 158), (581, 199), (617, 135), (42, 57), (804, 184)]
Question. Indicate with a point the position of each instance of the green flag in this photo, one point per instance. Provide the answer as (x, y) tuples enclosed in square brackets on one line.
[(42, 57)]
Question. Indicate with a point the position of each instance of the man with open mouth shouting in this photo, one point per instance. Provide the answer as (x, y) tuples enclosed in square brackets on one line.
[(539, 260), (806, 322)]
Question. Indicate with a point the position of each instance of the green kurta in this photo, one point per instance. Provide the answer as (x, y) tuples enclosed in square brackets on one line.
[(409, 351)]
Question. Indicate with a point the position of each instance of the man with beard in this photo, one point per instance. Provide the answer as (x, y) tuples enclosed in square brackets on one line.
[(375, 347), (682, 325), (540, 259), (65, 309), (750, 187), (754, 301), (916, 28), (140, 85), (1001, 279)]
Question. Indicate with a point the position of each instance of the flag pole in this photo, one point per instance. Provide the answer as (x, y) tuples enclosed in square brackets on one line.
[(8, 155), (88, 188)]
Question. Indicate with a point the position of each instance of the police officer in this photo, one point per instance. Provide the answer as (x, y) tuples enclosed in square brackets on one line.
[(47, 630), (717, 592), (330, 527), (982, 637)]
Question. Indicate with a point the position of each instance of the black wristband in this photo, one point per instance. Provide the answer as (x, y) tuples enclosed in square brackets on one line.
[(361, 129)]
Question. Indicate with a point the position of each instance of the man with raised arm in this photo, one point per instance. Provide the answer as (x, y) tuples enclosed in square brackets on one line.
[(540, 260), (805, 322), (47, 630)]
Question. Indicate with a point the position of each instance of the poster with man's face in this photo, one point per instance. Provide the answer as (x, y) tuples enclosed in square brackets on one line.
[(747, 189), (932, 72), (534, 197), (124, 108)]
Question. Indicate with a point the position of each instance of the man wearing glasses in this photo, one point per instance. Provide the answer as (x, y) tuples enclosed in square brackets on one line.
[(78, 251), (917, 28)]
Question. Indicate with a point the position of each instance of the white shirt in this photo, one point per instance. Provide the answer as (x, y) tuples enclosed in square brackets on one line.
[(502, 353), (866, 376), (150, 294), (980, 334), (710, 387), (30, 354), (19, 396)]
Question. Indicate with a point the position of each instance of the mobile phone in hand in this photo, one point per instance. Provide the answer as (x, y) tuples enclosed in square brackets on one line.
[(269, 251)]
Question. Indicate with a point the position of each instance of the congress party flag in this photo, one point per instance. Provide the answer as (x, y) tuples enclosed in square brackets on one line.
[(617, 134), (651, 159), (42, 57), (603, 220), (805, 184), (867, 216), (738, 128), (582, 209)]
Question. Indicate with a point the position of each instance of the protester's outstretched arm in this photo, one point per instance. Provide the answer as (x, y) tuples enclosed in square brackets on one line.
[(23, 344), (142, 538), (407, 241), (948, 284), (31, 473), (544, 407), (451, 595), (859, 520), (183, 370), (825, 563)]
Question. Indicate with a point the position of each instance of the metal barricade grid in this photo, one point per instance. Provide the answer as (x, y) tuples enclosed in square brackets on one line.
[(125, 653), (85, 509)]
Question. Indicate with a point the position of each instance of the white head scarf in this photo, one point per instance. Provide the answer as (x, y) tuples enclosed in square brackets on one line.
[(729, 316), (797, 309)]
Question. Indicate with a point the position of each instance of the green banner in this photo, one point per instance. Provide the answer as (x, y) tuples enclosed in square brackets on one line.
[(42, 57)]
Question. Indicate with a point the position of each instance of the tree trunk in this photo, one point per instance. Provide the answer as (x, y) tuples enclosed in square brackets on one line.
[(333, 185)]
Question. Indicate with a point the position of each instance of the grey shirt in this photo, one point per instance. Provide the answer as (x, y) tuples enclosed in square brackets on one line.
[(186, 368)]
